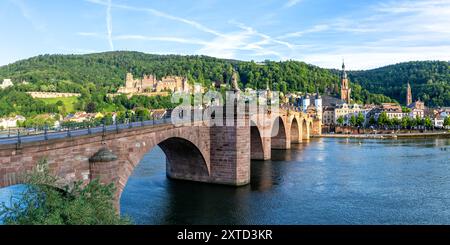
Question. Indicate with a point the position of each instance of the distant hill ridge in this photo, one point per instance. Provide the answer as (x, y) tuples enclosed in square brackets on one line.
[(430, 80)]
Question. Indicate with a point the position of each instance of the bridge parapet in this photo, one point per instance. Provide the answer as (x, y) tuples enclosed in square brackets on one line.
[(194, 151)]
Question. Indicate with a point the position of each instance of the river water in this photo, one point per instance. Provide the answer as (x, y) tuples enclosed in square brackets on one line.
[(323, 181)]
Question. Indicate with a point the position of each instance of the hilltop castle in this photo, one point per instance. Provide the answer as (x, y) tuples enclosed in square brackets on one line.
[(149, 83)]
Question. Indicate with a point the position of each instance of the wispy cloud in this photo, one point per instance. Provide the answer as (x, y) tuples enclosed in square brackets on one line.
[(109, 25), (162, 14), (162, 39), (314, 29), (91, 34), (291, 3), (225, 45), (373, 35)]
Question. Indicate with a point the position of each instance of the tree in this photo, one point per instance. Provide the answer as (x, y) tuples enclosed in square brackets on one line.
[(383, 119), (340, 121), (59, 103), (419, 121), (360, 119), (447, 121), (427, 122), (372, 121), (90, 107), (353, 121), (42, 203), (405, 122), (142, 114), (396, 122)]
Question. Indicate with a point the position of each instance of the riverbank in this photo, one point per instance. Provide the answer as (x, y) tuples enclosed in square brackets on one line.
[(388, 136)]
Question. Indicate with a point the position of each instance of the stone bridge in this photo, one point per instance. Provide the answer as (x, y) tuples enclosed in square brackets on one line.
[(216, 154)]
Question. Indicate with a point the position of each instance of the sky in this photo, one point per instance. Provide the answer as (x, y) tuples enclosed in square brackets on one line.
[(366, 33)]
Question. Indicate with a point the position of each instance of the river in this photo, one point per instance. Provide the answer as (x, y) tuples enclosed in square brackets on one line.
[(323, 181)]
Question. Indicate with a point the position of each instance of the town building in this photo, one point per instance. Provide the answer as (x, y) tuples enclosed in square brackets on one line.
[(417, 108), (6, 83), (10, 122), (346, 111), (438, 121), (392, 111)]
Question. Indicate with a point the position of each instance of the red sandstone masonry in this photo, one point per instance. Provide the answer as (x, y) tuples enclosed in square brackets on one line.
[(198, 153)]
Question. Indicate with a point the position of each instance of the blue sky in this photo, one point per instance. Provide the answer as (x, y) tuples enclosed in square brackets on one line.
[(366, 34)]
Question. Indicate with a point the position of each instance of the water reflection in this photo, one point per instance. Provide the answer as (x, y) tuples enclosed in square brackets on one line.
[(321, 181)]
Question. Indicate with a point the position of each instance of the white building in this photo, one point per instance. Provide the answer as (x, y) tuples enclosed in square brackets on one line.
[(347, 111), (438, 122), (306, 101), (6, 83), (416, 113), (11, 122)]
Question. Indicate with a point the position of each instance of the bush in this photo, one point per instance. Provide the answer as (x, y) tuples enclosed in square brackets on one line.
[(42, 203)]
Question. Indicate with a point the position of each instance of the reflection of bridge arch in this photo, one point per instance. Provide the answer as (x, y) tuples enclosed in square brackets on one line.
[(295, 131), (305, 129), (280, 139), (256, 143)]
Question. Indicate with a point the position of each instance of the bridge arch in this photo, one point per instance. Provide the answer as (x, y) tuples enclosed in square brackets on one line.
[(184, 160), (279, 134), (256, 143), (295, 131)]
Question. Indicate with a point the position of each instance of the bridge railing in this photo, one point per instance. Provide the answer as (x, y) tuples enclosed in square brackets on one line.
[(71, 128)]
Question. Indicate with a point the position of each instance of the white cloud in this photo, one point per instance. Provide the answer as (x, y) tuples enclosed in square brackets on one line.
[(109, 25), (291, 3)]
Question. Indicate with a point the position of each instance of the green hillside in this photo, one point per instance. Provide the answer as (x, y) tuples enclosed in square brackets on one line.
[(106, 71), (430, 81)]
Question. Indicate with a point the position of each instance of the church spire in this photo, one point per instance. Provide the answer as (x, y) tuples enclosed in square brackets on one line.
[(408, 95), (345, 88), (343, 73)]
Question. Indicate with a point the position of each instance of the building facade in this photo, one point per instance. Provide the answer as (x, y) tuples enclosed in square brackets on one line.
[(346, 111), (6, 83), (149, 83)]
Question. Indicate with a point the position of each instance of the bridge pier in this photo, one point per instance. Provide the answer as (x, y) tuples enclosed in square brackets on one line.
[(230, 153)]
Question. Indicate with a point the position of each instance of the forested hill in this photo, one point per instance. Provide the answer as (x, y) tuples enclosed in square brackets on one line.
[(430, 81), (106, 71)]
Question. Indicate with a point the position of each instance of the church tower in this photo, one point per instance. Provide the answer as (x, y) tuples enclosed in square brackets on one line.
[(345, 88), (408, 95), (318, 104)]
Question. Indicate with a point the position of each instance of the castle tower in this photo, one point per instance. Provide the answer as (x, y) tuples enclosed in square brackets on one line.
[(408, 95), (345, 88), (129, 81)]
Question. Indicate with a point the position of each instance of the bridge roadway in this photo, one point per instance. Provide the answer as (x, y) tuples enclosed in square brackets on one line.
[(79, 132)]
